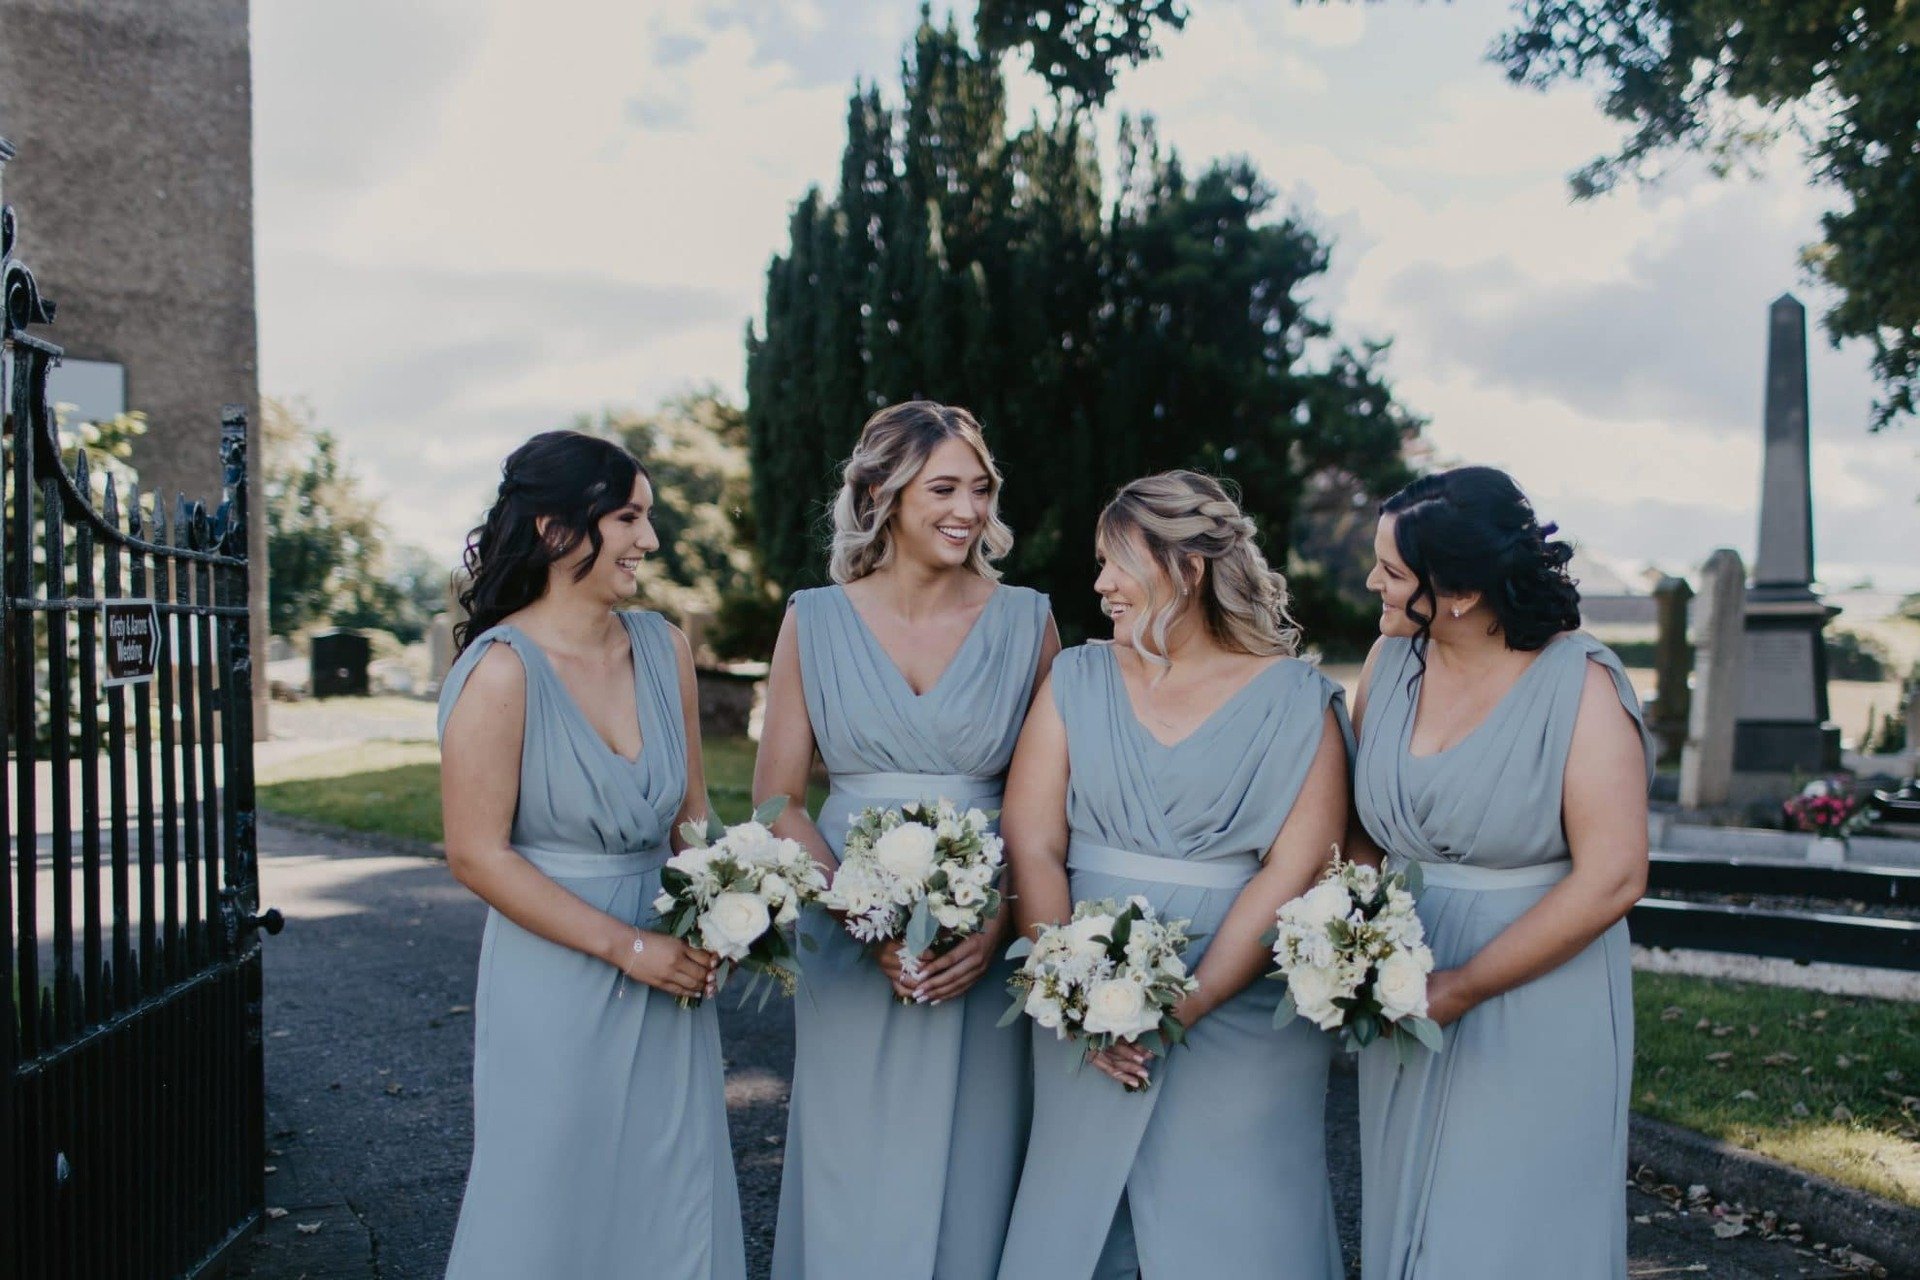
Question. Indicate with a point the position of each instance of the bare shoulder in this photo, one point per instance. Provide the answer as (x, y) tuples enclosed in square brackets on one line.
[(499, 674)]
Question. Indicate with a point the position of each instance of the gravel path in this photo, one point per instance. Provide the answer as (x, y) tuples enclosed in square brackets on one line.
[(369, 1038)]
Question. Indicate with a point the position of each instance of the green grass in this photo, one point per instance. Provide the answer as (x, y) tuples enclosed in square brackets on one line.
[(1827, 1083), (393, 788)]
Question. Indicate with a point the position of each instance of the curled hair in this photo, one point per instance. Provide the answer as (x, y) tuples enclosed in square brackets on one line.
[(571, 478), (894, 445), (1472, 530), (1178, 514)]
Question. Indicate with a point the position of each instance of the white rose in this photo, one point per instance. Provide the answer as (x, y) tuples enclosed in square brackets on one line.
[(752, 842), (1044, 1009), (1313, 991), (1119, 1006), (968, 894), (692, 860), (907, 851), (950, 916), (1084, 936), (732, 924), (1326, 902), (1401, 985)]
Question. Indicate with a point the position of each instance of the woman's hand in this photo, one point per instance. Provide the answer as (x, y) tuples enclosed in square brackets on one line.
[(1125, 1061), (667, 964), (1447, 996), (944, 976)]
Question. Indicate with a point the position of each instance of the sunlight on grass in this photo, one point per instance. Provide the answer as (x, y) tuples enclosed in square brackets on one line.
[(1827, 1083)]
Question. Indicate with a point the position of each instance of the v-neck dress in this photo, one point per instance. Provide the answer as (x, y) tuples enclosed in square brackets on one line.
[(1510, 1145), (1219, 1167), (907, 1123), (599, 1112)]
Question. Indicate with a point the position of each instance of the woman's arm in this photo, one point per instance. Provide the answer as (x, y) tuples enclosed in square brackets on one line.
[(1604, 807), (479, 792), (696, 804), (1359, 846), (1033, 819), (785, 758)]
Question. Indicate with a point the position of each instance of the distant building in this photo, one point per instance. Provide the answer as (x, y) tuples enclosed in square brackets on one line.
[(133, 121)]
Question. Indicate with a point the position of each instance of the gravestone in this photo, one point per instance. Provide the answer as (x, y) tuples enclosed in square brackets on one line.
[(1783, 729), (439, 648), (1706, 763), (1672, 663), (339, 661)]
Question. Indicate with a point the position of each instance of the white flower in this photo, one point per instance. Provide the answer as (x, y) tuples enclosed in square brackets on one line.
[(664, 903), (1325, 902), (978, 820), (752, 842), (1119, 1006), (1044, 1009), (732, 924), (1313, 991), (950, 916), (692, 860), (1085, 937), (968, 894), (908, 851), (1401, 985)]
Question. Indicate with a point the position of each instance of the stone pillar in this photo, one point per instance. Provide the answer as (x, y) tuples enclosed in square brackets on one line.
[(1673, 663), (1706, 763), (1783, 729)]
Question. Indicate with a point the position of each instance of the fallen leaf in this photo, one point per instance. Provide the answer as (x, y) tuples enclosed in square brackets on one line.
[(394, 1089), (271, 1169), (1672, 1013), (1800, 1109), (1722, 1031), (1727, 1229), (1746, 1095), (1841, 1113), (461, 1008), (309, 1228), (275, 1213), (1819, 1013), (1842, 1061), (1697, 1191), (1722, 1056), (1780, 1059), (1642, 1219)]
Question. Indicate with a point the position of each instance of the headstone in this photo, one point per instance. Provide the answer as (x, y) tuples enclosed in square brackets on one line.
[(1706, 763), (439, 648), (1673, 663), (1783, 729)]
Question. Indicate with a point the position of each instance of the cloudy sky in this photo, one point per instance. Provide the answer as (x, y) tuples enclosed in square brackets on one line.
[(477, 218)]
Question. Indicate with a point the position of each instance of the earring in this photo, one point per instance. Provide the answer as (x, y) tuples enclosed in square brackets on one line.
[(1456, 611)]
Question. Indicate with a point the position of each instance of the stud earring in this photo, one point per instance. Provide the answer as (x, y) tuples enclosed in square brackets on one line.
[(1456, 611)]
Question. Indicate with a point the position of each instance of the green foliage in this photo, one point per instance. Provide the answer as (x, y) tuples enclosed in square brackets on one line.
[(1098, 336), (1726, 78), (1077, 46), (1852, 656), (694, 447), (326, 546)]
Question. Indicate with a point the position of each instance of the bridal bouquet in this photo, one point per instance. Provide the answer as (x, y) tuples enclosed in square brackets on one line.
[(1355, 958), (1114, 972), (737, 892), (923, 873)]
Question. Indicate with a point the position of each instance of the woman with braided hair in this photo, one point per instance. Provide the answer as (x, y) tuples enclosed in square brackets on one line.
[(1194, 761), (1502, 750)]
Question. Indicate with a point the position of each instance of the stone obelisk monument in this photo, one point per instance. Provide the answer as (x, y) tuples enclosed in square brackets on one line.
[(1782, 728)]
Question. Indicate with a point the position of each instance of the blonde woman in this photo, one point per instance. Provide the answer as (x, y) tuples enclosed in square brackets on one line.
[(1196, 762), (910, 676)]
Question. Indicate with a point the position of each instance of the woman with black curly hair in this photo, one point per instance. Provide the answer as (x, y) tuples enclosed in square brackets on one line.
[(570, 754), (1502, 752)]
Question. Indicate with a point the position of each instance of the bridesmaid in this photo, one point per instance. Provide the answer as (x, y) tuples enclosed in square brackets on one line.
[(911, 677), (1502, 750), (570, 748), (1196, 762)]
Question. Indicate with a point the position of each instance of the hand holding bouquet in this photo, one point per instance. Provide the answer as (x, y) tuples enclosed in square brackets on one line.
[(924, 874), (1112, 973), (737, 892), (1355, 959)]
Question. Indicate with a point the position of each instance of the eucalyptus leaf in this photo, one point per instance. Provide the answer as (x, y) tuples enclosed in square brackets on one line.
[(1020, 949), (1012, 1015), (772, 809), (1426, 1031), (1285, 1011), (920, 929), (1415, 877)]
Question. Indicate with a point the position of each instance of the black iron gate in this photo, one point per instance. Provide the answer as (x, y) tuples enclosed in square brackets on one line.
[(131, 1113)]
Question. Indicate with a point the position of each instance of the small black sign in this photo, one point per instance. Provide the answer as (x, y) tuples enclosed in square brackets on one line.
[(133, 641)]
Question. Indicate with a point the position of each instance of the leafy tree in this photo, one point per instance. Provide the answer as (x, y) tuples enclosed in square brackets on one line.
[(325, 540), (1078, 46), (695, 449), (1727, 78), (1098, 336)]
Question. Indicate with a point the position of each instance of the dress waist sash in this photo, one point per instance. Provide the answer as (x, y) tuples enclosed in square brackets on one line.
[(963, 789), (1213, 873), (578, 864), (1462, 875)]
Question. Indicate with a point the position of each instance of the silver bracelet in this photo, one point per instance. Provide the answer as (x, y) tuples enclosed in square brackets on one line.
[(639, 946)]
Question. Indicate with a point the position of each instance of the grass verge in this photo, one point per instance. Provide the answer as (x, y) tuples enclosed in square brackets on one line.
[(393, 788), (1830, 1084)]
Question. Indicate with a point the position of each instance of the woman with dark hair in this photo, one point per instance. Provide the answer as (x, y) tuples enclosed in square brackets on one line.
[(1503, 752), (570, 754)]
